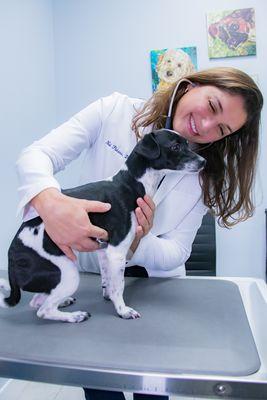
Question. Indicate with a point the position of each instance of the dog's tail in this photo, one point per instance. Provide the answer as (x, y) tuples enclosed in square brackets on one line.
[(13, 288)]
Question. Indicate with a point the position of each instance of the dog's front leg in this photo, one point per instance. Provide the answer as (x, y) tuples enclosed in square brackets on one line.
[(103, 264), (114, 280)]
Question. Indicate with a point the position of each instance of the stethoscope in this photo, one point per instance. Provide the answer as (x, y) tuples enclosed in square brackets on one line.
[(168, 124)]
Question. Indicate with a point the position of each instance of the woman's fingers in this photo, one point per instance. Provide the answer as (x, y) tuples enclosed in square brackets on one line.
[(99, 207), (86, 245), (96, 206), (148, 207), (141, 219), (150, 202), (68, 252), (96, 232), (145, 214), (139, 233)]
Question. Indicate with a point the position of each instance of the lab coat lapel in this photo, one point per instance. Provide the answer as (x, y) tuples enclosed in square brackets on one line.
[(167, 185)]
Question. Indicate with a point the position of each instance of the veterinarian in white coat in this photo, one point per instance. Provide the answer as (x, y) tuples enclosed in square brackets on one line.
[(217, 111), (103, 130)]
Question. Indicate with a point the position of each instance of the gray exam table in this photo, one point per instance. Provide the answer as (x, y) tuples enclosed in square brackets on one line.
[(197, 337)]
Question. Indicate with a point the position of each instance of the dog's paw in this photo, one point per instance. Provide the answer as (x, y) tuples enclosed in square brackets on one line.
[(55, 315), (79, 316), (129, 313), (105, 294), (68, 302)]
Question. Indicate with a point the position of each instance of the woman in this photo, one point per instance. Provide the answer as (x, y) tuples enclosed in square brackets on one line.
[(216, 110)]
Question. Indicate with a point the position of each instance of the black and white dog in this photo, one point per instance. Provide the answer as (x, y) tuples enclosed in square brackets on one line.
[(36, 264)]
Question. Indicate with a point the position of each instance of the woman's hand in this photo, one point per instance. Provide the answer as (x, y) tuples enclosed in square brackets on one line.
[(66, 221), (144, 215)]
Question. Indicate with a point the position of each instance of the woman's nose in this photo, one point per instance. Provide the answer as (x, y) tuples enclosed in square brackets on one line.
[(209, 124)]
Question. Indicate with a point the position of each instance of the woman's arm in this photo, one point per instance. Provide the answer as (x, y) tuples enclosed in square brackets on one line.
[(66, 219), (39, 162), (170, 250)]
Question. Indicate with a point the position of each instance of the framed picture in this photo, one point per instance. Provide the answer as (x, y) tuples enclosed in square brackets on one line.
[(231, 33), (170, 65)]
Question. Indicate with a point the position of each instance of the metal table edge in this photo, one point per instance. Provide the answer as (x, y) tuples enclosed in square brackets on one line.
[(133, 381)]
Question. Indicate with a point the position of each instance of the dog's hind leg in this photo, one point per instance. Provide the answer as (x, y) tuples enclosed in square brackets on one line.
[(68, 285), (67, 302), (115, 282), (38, 300), (49, 310)]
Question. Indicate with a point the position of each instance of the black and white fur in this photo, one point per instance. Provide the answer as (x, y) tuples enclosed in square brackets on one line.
[(36, 264)]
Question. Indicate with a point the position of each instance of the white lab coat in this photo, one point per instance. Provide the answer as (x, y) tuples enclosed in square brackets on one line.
[(103, 131)]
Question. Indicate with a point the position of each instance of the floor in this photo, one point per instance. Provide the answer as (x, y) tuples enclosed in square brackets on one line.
[(24, 390)]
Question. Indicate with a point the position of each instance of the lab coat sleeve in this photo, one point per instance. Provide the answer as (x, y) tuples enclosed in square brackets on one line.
[(170, 250), (38, 162)]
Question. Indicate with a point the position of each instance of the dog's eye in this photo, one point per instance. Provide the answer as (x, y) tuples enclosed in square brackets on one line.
[(176, 147)]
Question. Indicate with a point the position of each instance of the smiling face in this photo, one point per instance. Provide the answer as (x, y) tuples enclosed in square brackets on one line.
[(206, 114)]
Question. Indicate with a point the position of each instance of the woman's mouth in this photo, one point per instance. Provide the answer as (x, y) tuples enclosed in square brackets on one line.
[(192, 126)]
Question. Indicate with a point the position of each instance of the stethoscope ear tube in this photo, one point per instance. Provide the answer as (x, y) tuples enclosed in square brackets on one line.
[(168, 124)]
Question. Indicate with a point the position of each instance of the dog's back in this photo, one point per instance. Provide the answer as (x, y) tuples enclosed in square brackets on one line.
[(121, 192)]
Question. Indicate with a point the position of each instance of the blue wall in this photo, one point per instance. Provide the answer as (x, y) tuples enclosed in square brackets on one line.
[(60, 55)]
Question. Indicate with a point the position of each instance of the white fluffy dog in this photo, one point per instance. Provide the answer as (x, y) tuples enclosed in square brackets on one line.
[(172, 66)]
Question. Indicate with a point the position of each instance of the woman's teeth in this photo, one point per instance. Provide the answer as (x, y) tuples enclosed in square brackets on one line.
[(193, 125)]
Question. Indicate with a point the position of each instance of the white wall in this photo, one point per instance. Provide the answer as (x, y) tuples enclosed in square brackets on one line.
[(27, 94), (101, 46)]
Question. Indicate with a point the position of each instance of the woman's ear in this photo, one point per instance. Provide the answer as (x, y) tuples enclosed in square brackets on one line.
[(190, 86)]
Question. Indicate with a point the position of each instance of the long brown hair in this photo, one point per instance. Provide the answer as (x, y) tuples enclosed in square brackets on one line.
[(228, 178)]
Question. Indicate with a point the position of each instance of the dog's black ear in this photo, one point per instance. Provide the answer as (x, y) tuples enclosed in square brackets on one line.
[(148, 147)]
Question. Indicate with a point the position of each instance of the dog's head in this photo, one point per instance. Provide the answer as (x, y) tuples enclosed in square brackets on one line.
[(166, 150)]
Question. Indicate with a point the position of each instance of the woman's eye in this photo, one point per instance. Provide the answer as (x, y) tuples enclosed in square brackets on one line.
[(221, 130), (175, 147), (212, 107)]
